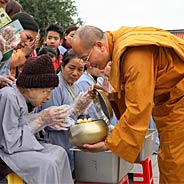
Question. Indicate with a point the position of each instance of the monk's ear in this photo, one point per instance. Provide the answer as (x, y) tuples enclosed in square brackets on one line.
[(99, 44)]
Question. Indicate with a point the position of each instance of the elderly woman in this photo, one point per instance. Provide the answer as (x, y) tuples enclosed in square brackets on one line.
[(33, 161)]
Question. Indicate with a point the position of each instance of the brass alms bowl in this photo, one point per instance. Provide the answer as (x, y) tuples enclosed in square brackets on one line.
[(88, 133)]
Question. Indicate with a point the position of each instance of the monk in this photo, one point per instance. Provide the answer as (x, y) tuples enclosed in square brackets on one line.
[(147, 75)]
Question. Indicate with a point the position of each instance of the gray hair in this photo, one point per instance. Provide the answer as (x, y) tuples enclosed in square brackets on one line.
[(89, 35)]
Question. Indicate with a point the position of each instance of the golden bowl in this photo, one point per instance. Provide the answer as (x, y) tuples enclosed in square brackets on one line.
[(88, 133)]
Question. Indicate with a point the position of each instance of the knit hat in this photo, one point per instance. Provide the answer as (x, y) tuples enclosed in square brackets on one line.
[(38, 72), (26, 20)]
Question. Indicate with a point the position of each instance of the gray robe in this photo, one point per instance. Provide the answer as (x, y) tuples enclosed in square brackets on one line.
[(60, 96), (34, 162), (5, 67)]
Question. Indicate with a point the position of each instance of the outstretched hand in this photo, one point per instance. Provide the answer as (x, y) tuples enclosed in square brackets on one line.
[(97, 147)]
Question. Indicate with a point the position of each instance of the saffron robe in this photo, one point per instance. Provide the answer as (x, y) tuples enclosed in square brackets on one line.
[(148, 75)]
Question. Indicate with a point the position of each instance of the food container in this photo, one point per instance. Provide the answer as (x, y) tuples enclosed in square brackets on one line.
[(102, 167), (148, 146), (97, 130), (90, 133)]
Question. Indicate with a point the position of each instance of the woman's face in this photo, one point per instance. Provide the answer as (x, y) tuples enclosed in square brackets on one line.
[(27, 41), (24, 48), (69, 37), (73, 70), (37, 96)]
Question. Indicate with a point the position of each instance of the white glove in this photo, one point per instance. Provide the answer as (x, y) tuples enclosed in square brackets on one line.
[(53, 114), (82, 102), (67, 122), (50, 116), (63, 125)]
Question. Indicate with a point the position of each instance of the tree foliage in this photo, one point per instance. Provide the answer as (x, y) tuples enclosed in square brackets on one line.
[(46, 12)]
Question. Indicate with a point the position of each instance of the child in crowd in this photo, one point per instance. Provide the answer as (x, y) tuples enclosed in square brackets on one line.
[(54, 38)]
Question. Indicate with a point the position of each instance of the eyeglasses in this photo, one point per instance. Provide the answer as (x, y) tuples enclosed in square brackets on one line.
[(88, 56)]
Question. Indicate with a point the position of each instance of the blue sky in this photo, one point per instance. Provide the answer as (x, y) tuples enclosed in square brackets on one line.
[(111, 14)]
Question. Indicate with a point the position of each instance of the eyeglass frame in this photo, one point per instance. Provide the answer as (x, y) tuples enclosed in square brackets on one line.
[(88, 56), (90, 52)]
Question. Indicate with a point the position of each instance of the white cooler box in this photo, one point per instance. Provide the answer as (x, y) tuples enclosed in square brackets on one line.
[(102, 167)]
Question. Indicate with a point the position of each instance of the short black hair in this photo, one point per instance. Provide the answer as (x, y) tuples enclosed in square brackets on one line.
[(68, 55), (70, 29), (48, 50), (27, 21), (55, 28)]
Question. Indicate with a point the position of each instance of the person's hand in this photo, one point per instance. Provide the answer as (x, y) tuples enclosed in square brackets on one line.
[(82, 102), (5, 80), (98, 147), (106, 83), (27, 47), (53, 115), (108, 69), (63, 125), (101, 88)]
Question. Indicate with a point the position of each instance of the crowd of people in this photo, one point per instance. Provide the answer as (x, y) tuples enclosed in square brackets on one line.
[(46, 72), (37, 89)]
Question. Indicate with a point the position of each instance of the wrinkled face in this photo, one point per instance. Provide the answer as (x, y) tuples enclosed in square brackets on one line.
[(98, 56), (3, 3), (73, 70), (53, 39), (70, 36), (37, 96)]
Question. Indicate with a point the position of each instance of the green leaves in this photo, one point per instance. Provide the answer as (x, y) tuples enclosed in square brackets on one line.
[(46, 12)]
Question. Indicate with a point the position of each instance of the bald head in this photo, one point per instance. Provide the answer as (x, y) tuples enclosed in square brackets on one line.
[(89, 35), (91, 45)]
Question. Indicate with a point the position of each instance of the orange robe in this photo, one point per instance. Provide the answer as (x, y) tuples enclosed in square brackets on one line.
[(148, 74)]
